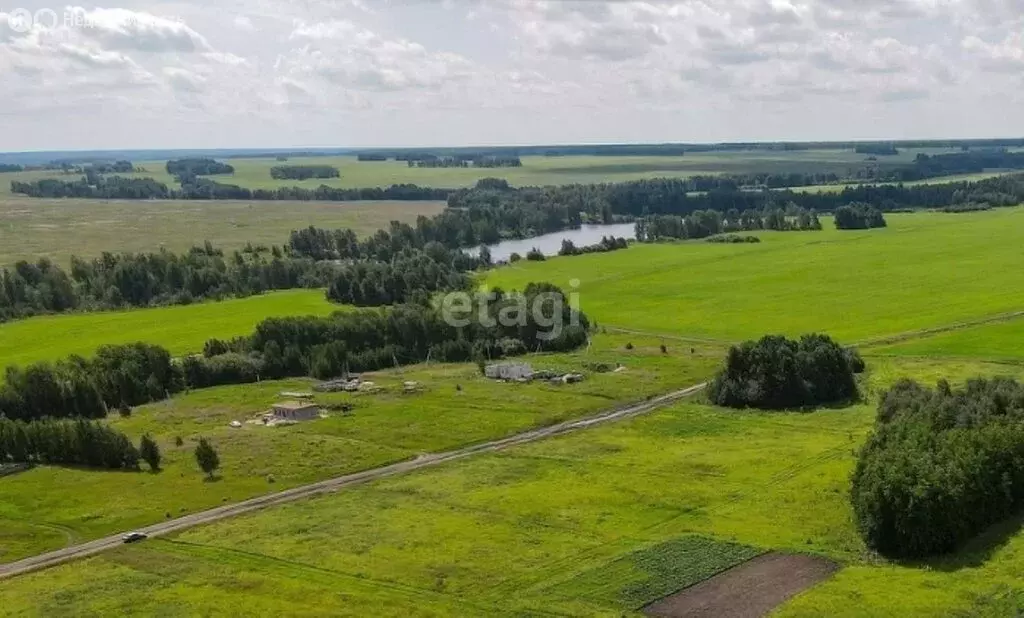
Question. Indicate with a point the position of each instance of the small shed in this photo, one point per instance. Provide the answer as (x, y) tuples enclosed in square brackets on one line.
[(295, 411), (509, 371)]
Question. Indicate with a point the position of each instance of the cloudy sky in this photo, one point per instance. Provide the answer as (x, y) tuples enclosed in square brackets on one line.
[(294, 73)]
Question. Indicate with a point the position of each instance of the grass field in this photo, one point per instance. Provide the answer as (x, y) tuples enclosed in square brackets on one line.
[(590, 524), (924, 270), (595, 523), (536, 170), (33, 228), (181, 329), (383, 428)]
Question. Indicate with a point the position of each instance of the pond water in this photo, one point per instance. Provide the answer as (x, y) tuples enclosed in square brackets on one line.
[(549, 244)]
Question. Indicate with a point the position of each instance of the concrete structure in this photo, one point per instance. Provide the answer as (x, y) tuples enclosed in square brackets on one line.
[(509, 371), (294, 411)]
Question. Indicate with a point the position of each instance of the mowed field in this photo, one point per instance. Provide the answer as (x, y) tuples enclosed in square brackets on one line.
[(593, 524), (57, 229), (182, 329), (383, 427), (924, 270)]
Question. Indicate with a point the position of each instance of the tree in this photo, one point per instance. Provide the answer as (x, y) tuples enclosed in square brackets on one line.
[(206, 457), (150, 452)]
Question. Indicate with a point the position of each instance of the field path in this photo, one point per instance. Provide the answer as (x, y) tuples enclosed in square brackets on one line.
[(90, 548)]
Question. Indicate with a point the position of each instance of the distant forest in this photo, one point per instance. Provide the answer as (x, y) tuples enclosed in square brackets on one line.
[(190, 174)]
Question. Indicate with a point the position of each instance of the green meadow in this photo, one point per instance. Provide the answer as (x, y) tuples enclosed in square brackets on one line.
[(596, 523), (535, 171), (57, 229), (924, 270), (383, 427), (182, 329)]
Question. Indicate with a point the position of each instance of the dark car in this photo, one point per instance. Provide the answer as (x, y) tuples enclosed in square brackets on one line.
[(133, 537)]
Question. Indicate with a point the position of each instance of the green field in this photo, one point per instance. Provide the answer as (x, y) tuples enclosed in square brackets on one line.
[(594, 523), (384, 427), (536, 170), (564, 526), (181, 329), (57, 229), (924, 270)]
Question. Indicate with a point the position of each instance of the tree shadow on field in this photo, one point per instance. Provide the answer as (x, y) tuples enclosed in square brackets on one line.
[(978, 550)]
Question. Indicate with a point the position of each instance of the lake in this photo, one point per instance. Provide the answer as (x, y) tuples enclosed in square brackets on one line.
[(549, 244)]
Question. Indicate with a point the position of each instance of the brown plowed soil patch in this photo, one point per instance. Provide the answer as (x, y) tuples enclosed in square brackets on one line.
[(748, 590)]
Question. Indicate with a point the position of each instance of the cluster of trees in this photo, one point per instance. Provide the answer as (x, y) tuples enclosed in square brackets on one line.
[(200, 166), (942, 465), (303, 172), (608, 243), (10, 167), (463, 160), (118, 376), (776, 373), (371, 157), (94, 186), (371, 282), (72, 442), (707, 223), (858, 216), (148, 279), (116, 167)]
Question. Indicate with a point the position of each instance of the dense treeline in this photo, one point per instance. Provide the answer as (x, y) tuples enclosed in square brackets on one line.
[(116, 167), (876, 149), (941, 466), (303, 172), (117, 376), (706, 223), (428, 160), (776, 373), (858, 216), (371, 157), (78, 442), (373, 282), (195, 188), (114, 281), (192, 167), (11, 167), (608, 243), (610, 202)]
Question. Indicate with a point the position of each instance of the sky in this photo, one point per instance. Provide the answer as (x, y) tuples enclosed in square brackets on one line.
[(365, 73)]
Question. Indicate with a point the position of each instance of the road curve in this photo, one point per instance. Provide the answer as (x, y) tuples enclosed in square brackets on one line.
[(90, 548)]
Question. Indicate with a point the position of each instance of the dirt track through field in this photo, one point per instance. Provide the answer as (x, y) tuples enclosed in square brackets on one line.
[(748, 590), (83, 550)]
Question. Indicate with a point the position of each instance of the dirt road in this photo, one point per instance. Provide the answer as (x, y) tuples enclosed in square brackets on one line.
[(74, 552)]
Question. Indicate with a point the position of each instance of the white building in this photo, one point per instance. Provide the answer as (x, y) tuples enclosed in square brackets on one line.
[(295, 411), (509, 371)]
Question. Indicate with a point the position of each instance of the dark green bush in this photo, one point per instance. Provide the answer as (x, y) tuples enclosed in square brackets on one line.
[(941, 466), (777, 373)]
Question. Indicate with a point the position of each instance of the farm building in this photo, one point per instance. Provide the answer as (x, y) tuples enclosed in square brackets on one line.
[(509, 371), (294, 411)]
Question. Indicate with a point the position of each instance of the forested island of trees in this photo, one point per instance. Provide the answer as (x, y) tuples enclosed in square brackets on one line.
[(303, 172), (191, 167), (706, 223), (941, 466), (776, 373), (607, 243), (858, 216)]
